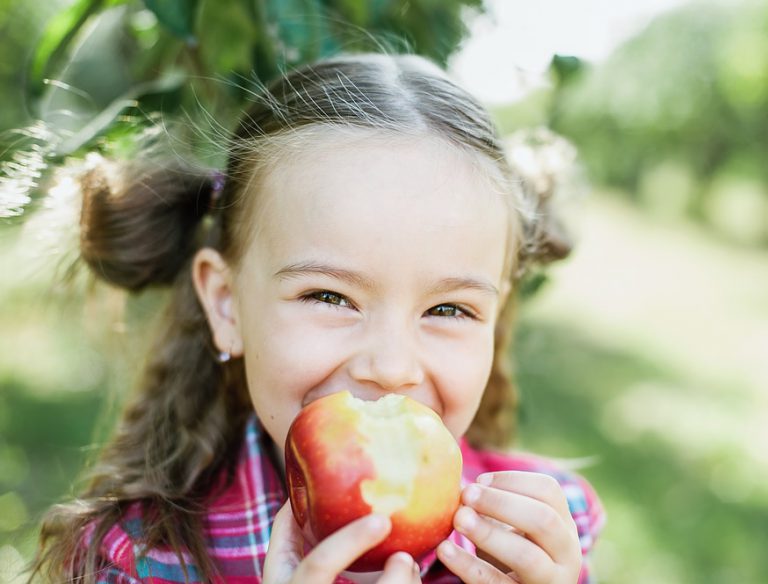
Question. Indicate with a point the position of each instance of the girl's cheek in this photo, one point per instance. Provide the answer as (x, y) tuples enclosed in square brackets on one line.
[(305, 351), (462, 382)]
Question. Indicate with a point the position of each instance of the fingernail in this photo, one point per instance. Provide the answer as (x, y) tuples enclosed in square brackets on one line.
[(471, 494), (404, 558), (466, 519), (446, 549), (485, 479)]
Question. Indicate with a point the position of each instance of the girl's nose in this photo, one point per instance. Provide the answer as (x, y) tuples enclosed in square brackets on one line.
[(389, 358)]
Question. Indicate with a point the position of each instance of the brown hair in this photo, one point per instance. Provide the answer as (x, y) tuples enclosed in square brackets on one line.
[(141, 224)]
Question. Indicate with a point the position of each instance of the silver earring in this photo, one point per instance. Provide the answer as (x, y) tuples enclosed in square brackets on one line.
[(223, 357)]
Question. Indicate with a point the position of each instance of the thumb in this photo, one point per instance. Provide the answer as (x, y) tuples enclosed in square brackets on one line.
[(286, 548)]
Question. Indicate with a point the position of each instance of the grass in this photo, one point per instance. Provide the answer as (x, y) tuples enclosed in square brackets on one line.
[(644, 353)]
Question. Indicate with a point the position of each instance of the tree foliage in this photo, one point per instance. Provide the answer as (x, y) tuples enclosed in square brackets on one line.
[(101, 63), (680, 107)]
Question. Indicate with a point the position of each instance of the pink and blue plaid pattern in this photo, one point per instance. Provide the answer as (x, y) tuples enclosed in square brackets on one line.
[(239, 521)]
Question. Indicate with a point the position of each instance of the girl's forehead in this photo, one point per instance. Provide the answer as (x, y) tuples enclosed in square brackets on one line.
[(416, 194), (358, 166), (371, 174)]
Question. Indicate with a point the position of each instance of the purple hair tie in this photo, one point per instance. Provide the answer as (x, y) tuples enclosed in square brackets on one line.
[(218, 179)]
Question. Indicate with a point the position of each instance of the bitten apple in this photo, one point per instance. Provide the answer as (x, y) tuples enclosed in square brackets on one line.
[(346, 458)]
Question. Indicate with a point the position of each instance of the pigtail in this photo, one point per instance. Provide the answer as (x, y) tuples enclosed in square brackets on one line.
[(546, 166), (140, 225), (138, 221)]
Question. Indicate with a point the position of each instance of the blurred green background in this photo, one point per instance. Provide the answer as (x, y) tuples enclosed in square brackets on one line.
[(645, 353)]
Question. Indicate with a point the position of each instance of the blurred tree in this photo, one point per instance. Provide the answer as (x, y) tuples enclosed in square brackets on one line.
[(98, 63), (680, 108)]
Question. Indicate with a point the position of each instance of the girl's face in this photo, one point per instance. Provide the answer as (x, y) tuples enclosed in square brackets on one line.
[(375, 266)]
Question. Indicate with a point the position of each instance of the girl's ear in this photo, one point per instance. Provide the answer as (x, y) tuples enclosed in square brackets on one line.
[(213, 278)]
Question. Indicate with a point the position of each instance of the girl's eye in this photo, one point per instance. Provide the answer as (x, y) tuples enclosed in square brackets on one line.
[(327, 297), (450, 311)]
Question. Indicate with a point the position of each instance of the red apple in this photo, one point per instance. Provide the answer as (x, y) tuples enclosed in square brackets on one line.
[(346, 458)]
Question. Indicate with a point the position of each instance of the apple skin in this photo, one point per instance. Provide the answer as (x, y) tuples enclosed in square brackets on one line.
[(328, 460)]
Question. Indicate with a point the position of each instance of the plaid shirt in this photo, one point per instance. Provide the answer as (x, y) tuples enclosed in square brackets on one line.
[(239, 521)]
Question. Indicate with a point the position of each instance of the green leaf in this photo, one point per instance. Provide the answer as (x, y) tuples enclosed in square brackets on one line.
[(102, 122), (566, 68), (300, 31), (227, 38), (178, 16), (297, 22), (56, 38)]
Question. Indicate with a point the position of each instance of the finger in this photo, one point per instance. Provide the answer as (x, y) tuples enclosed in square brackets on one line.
[(400, 569), (468, 567), (539, 521), (337, 551), (285, 547), (515, 551), (535, 485)]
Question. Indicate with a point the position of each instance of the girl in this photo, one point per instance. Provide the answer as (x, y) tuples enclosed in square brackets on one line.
[(367, 235)]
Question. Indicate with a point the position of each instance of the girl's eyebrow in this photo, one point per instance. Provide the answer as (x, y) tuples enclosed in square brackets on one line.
[(309, 268), (360, 281), (463, 283)]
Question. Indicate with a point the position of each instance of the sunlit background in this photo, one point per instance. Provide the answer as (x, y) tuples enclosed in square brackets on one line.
[(644, 355)]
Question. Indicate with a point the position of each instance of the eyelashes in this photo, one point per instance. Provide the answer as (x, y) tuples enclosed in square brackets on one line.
[(450, 311), (336, 300), (327, 297)]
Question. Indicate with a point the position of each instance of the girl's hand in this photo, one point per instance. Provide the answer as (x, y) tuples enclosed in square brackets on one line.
[(286, 564), (522, 528)]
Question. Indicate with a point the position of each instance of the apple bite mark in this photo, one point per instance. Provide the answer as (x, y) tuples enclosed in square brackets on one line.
[(392, 444)]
